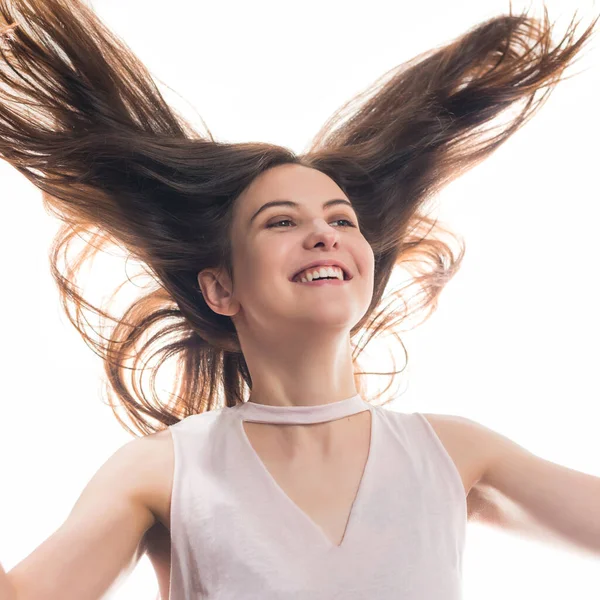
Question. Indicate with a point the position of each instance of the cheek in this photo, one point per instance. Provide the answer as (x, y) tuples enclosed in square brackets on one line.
[(273, 259), (365, 258), (261, 270)]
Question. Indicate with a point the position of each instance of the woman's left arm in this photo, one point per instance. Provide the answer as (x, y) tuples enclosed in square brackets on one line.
[(536, 498)]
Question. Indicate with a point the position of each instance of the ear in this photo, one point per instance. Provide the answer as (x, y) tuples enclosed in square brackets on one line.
[(217, 290)]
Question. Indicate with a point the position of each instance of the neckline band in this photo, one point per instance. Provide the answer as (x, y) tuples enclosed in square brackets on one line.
[(316, 413)]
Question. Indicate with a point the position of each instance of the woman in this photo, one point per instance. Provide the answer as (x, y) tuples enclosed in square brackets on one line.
[(267, 473)]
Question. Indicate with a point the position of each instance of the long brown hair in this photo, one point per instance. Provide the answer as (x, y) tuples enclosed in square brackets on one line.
[(83, 120)]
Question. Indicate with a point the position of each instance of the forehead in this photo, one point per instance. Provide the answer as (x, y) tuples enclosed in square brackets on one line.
[(291, 182)]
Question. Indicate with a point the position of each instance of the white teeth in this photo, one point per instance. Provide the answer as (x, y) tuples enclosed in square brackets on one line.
[(307, 276)]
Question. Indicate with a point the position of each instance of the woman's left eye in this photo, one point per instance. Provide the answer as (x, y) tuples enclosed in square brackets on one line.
[(276, 223)]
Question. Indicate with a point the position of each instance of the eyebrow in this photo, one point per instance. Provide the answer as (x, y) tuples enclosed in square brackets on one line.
[(291, 204)]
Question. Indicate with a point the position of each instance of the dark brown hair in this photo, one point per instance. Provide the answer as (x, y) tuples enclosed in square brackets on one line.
[(83, 120)]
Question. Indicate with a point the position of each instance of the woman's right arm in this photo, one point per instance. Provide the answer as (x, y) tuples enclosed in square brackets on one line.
[(98, 542), (7, 591)]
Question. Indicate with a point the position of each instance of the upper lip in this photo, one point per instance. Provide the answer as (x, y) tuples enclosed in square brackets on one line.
[(324, 263)]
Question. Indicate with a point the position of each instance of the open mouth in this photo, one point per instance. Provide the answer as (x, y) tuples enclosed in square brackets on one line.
[(327, 280), (296, 278)]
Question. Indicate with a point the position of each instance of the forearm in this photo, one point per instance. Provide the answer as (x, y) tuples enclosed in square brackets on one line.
[(7, 591)]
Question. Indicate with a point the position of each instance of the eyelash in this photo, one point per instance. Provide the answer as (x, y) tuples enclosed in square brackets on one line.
[(290, 220)]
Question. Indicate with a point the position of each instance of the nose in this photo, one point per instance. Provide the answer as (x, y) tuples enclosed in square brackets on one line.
[(324, 234)]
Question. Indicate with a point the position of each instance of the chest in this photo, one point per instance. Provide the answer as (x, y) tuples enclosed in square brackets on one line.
[(321, 486)]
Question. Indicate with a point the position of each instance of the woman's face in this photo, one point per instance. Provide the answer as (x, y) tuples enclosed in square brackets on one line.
[(271, 244)]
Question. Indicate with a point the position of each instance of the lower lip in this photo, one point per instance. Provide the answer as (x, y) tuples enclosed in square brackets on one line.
[(324, 282)]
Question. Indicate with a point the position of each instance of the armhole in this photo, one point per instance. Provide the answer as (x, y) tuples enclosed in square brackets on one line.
[(451, 467)]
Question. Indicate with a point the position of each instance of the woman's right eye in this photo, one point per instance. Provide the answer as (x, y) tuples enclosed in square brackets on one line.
[(277, 222)]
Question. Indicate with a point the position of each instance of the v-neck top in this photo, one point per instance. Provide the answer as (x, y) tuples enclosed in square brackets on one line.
[(235, 534)]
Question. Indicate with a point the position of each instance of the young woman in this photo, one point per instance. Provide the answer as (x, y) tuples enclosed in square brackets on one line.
[(268, 473)]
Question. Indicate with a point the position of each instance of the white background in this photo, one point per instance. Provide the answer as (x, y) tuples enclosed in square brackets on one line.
[(513, 344)]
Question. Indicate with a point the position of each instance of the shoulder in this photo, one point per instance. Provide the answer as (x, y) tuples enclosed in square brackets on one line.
[(470, 444), (461, 429), (152, 458)]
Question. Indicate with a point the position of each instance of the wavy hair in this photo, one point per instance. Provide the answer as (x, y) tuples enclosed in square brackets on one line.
[(83, 120)]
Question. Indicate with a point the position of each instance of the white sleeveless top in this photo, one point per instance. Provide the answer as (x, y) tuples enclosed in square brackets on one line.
[(236, 535)]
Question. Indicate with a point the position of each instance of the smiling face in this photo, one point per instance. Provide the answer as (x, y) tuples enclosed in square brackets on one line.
[(271, 243)]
